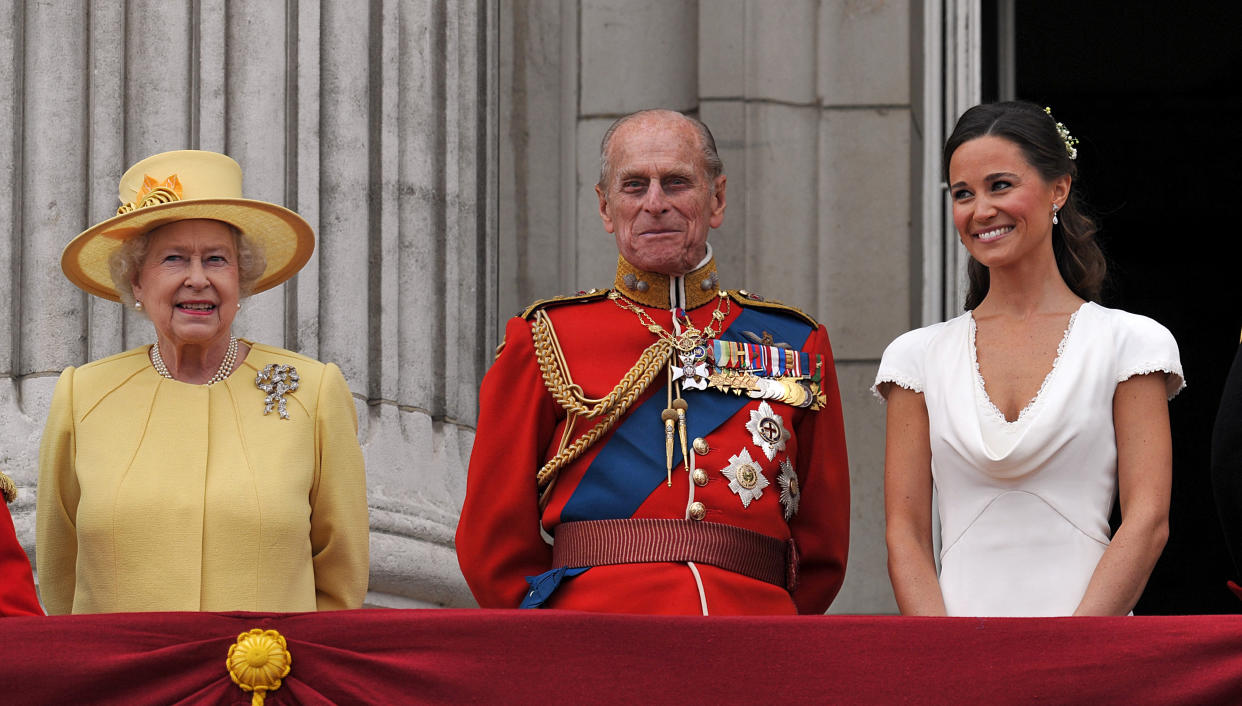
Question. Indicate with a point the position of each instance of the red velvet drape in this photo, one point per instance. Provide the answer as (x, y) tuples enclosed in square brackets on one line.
[(478, 656)]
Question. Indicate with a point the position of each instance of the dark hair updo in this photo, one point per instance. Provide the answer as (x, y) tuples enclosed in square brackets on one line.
[(1026, 125)]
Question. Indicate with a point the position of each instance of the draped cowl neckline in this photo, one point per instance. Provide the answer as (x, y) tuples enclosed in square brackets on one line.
[(998, 434)]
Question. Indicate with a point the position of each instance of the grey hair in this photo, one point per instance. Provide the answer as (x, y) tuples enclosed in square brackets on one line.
[(125, 263), (707, 144)]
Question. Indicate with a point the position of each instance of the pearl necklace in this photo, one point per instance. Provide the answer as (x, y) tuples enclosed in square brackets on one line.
[(226, 365)]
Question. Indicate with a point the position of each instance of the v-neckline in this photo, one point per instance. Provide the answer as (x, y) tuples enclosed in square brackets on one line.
[(981, 384)]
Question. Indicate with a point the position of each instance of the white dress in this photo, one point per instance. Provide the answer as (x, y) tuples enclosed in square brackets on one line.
[(1024, 505)]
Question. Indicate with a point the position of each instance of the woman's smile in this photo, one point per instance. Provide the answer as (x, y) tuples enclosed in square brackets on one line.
[(197, 308), (994, 234)]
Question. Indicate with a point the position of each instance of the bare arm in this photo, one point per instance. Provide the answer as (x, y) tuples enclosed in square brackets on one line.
[(1144, 477), (907, 505)]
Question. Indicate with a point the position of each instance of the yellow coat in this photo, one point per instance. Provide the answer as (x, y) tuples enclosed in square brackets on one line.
[(160, 495)]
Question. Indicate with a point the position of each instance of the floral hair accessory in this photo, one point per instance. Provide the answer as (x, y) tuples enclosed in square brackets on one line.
[(1071, 142)]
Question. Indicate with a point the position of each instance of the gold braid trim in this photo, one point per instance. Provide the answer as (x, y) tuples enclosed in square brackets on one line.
[(568, 395), (8, 489)]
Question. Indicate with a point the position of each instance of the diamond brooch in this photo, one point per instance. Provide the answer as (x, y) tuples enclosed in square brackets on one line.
[(277, 381)]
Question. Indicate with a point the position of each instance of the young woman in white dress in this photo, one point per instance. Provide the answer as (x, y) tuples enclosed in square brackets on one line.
[(1030, 412)]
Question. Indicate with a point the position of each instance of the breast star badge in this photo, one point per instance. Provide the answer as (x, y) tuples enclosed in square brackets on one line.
[(746, 479), (767, 430), (790, 492)]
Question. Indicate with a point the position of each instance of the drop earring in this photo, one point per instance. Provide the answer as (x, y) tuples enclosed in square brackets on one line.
[(137, 305), (1055, 208)]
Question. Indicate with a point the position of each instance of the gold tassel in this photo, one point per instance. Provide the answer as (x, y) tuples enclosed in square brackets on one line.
[(669, 416), (681, 407)]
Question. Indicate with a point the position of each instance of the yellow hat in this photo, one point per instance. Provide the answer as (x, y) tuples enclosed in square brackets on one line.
[(178, 186)]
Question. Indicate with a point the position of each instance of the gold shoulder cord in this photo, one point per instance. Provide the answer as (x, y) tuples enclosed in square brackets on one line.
[(568, 395), (8, 489)]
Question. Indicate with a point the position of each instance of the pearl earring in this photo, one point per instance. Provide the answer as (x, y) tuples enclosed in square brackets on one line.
[(137, 306), (1055, 208)]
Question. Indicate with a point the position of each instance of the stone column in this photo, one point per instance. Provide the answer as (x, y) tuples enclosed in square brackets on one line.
[(376, 122), (812, 103), (871, 252)]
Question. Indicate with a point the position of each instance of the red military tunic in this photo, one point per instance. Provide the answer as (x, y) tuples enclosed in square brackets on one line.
[(17, 591), (503, 537)]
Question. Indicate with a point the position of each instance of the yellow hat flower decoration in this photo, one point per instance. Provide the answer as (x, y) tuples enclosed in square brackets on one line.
[(258, 661), (153, 192)]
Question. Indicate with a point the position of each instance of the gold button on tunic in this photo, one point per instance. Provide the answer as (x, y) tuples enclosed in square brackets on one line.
[(697, 510)]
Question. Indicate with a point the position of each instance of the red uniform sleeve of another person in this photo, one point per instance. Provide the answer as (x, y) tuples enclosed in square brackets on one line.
[(17, 591), (821, 528), (498, 538)]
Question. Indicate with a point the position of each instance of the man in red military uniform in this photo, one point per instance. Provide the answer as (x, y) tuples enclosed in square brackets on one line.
[(665, 446), (17, 591)]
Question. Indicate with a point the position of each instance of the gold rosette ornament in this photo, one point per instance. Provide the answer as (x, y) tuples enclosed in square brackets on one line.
[(258, 662)]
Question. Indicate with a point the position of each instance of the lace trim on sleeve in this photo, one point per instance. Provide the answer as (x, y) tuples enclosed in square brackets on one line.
[(1174, 382), (899, 380)]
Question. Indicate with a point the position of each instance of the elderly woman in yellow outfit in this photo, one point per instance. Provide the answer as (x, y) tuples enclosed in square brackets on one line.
[(204, 472)]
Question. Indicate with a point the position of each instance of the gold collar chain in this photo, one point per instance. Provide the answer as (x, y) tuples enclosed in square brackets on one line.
[(690, 337)]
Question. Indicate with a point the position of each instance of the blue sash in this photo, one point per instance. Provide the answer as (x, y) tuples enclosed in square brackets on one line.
[(544, 585), (632, 463)]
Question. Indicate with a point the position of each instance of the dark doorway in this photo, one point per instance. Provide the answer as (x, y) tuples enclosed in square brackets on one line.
[(1154, 92)]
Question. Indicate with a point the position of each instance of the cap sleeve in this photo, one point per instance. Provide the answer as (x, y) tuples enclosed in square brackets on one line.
[(1144, 346), (902, 364)]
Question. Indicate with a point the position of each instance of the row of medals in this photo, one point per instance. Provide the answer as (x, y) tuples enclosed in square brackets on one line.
[(697, 372)]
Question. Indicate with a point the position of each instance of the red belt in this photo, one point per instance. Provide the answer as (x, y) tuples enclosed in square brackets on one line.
[(649, 540)]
